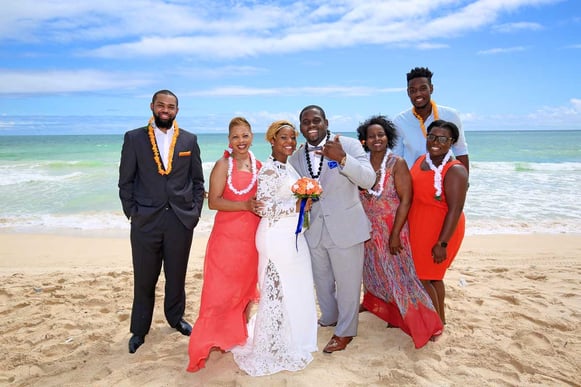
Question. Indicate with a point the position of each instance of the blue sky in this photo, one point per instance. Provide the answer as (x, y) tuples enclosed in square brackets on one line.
[(91, 66)]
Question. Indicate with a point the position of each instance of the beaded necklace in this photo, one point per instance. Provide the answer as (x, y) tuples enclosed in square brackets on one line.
[(422, 125), (309, 166), (438, 173), (382, 176), (252, 181)]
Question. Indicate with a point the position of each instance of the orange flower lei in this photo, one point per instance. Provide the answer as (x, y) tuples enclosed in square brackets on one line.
[(172, 146), (422, 125)]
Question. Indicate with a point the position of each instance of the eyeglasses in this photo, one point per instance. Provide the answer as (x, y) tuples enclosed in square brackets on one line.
[(441, 139)]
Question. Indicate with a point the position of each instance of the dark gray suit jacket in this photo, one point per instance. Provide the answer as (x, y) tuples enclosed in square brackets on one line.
[(145, 193)]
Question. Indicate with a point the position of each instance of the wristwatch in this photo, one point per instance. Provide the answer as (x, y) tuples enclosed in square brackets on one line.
[(443, 244)]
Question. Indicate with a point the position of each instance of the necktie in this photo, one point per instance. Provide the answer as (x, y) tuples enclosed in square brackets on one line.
[(314, 148)]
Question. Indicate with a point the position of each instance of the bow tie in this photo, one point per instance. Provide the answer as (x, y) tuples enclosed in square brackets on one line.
[(313, 148)]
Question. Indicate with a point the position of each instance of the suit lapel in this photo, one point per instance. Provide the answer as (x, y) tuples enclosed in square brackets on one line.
[(303, 162)]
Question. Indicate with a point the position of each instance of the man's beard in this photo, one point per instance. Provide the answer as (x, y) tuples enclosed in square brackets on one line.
[(165, 124)]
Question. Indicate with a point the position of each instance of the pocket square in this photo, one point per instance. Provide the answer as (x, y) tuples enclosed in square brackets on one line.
[(332, 164), (184, 154)]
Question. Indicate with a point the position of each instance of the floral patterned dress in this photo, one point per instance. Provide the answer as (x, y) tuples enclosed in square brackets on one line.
[(393, 291)]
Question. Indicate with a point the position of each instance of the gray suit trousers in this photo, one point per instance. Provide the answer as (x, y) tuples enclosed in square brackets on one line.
[(337, 273)]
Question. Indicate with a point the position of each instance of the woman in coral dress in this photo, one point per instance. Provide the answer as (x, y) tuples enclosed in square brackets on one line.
[(230, 274), (436, 219), (283, 332), (393, 292)]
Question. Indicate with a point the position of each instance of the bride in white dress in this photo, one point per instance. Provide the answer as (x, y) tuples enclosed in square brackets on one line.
[(283, 332)]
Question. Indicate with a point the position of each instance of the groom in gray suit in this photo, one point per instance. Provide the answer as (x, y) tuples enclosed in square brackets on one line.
[(339, 225)]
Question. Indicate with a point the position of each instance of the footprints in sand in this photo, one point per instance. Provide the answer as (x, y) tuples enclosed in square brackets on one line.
[(511, 299), (51, 317), (533, 339), (526, 320), (536, 277)]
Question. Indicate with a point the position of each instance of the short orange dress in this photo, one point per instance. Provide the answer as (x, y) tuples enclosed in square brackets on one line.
[(230, 277), (425, 220)]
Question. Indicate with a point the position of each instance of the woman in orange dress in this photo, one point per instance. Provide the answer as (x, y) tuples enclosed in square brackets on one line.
[(436, 220), (230, 266)]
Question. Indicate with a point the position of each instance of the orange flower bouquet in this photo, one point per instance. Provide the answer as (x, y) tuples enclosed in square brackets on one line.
[(305, 188)]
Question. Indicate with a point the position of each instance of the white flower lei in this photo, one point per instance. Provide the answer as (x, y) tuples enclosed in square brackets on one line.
[(382, 176), (438, 172), (254, 175)]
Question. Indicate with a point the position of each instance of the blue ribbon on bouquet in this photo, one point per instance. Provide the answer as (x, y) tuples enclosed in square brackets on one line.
[(300, 222)]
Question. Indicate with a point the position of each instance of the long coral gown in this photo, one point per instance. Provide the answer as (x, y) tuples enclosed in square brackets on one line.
[(393, 290), (425, 219), (230, 277)]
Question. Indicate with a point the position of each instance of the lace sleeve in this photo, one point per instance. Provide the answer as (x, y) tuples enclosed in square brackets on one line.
[(275, 204)]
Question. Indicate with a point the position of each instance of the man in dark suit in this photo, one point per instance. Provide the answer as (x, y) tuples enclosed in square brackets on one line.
[(161, 186)]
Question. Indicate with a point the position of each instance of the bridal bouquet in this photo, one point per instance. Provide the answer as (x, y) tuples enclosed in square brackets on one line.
[(305, 188)]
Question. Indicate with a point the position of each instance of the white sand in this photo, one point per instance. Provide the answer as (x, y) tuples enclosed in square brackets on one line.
[(513, 310)]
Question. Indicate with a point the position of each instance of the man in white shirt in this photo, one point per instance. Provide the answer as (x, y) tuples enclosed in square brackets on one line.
[(411, 124), (161, 187)]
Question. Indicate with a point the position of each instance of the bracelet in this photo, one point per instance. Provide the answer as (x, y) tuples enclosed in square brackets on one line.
[(343, 161)]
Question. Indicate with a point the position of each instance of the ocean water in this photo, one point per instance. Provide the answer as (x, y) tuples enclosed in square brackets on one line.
[(520, 182)]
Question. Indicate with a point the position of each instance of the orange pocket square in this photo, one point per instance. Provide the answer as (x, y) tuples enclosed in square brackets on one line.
[(184, 154)]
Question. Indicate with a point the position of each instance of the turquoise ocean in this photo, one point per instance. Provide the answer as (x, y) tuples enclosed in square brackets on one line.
[(521, 182)]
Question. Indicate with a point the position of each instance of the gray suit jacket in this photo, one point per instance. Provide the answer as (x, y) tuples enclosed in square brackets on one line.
[(339, 208)]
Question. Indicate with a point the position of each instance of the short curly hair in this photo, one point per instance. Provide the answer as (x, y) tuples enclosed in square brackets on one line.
[(420, 72), (387, 125), (316, 107)]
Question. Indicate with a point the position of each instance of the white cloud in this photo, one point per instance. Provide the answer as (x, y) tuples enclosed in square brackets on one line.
[(238, 29), (63, 81), (518, 26), (431, 46), (565, 117), (218, 72), (237, 91), (505, 50)]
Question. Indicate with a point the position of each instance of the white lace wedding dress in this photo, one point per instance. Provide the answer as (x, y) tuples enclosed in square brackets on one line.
[(283, 332)]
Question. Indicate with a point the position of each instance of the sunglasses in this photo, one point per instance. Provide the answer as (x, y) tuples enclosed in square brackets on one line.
[(441, 139)]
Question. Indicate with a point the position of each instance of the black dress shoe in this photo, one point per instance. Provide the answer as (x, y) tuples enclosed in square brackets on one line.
[(184, 328), (135, 342)]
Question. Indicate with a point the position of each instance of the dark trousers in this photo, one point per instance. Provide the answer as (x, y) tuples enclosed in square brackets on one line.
[(169, 244)]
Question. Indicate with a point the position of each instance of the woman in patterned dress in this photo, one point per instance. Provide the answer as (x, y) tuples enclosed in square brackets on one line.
[(392, 289)]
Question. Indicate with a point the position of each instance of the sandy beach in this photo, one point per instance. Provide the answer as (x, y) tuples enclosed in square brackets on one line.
[(513, 310)]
